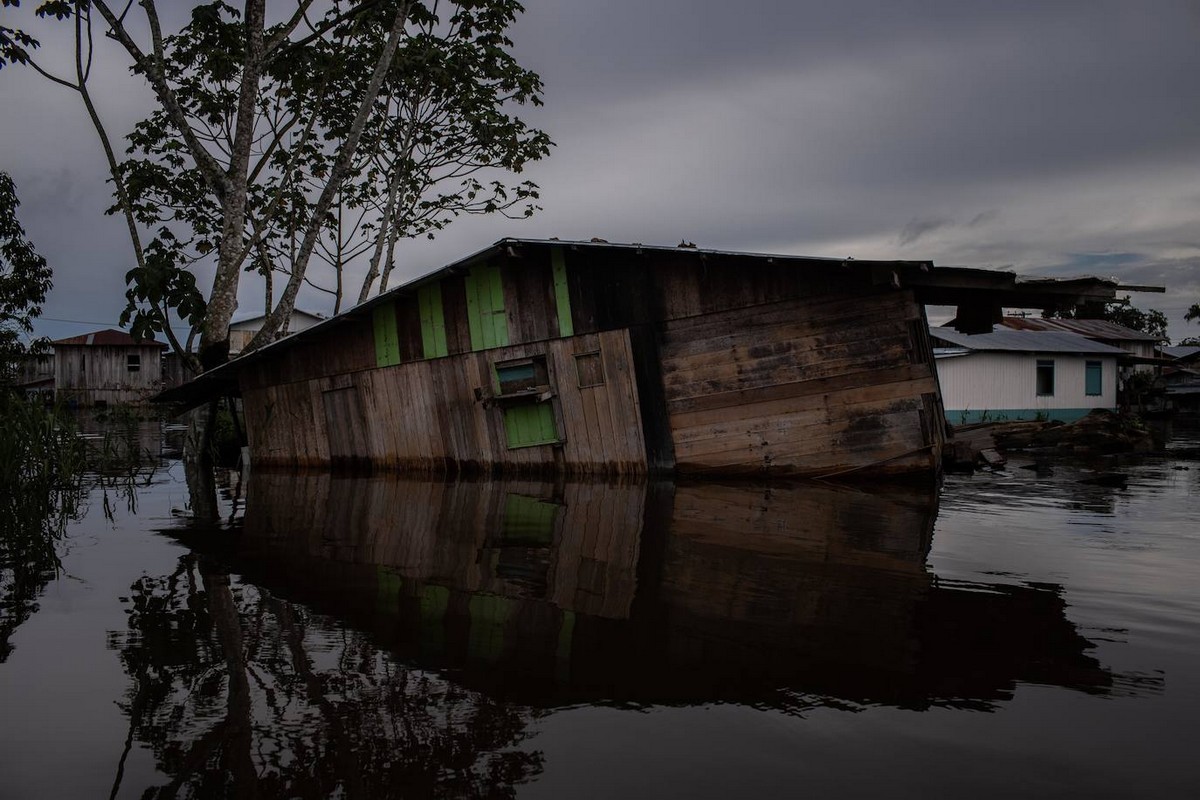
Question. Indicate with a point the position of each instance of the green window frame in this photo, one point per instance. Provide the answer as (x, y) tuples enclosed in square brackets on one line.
[(1093, 378), (486, 317), (433, 321)]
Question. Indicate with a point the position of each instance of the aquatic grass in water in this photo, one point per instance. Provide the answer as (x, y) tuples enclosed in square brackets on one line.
[(42, 463)]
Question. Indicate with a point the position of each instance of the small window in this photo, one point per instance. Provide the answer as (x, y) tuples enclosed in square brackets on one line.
[(1045, 378), (1093, 378), (522, 375), (590, 370), (528, 424), (133, 362)]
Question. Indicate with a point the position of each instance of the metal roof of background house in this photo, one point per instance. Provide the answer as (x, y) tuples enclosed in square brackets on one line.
[(1180, 350), (242, 319), (109, 337), (1091, 328), (1014, 341)]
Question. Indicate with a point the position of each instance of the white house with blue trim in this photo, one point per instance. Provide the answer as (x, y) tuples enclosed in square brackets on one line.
[(1023, 375)]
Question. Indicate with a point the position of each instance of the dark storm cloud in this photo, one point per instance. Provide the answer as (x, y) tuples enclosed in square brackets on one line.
[(1017, 134)]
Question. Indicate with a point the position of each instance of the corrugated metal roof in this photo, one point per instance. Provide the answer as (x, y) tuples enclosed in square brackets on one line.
[(1180, 350), (109, 337), (1091, 328), (225, 375), (1007, 340)]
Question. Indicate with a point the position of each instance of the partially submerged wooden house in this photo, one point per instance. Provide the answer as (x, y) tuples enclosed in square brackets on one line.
[(590, 357)]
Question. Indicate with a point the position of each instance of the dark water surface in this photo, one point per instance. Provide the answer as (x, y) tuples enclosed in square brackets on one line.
[(1013, 635)]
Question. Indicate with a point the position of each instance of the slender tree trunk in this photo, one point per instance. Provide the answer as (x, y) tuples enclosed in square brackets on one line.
[(381, 239), (337, 174), (214, 336)]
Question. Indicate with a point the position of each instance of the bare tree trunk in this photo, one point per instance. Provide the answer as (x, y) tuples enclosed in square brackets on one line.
[(214, 335), (391, 259), (381, 239)]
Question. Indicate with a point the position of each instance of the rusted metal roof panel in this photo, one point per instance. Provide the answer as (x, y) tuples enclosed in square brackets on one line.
[(109, 337), (1091, 328)]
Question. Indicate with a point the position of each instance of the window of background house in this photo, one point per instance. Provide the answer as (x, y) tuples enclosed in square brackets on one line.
[(133, 362), (1093, 378), (1045, 378)]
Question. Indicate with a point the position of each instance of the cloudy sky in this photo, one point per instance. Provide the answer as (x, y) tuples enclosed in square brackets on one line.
[(1054, 138)]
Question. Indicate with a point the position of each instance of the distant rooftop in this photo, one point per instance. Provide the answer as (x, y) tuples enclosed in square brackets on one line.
[(1091, 328), (1022, 341), (1180, 350), (109, 337)]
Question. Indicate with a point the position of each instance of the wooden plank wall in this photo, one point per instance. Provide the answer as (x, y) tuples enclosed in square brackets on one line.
[(87, 374), (808, 386), (424, 415)]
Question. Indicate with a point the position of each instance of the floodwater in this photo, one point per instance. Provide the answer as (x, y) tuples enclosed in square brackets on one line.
[(1018, 634)]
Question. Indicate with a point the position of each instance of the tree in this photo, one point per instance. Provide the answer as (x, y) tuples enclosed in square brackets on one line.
[(25, 278), (275, 141), (1123, 312), (1193, 313)]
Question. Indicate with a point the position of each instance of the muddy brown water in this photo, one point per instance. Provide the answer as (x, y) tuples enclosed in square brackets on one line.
[(1011, 634)]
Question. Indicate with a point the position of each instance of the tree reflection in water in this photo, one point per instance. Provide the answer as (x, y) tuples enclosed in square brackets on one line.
[(240, 693)]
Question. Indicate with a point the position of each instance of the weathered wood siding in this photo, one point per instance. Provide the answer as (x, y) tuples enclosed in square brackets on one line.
[(100, 374), (736, 365), (803, 386), (424, 415)]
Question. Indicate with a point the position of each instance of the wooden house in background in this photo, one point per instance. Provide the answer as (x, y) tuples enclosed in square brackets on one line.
[(241, 331), (107, 367), (589, 357), (35, 377)]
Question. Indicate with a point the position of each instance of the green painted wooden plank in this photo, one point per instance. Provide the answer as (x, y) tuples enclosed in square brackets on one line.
[(562, 293), (433, 321), (486, 317), (387, 338), (499, 319), (474, 324), (528, 425)]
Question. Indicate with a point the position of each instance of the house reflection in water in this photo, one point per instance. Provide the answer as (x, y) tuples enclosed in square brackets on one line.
[(548, 594)]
